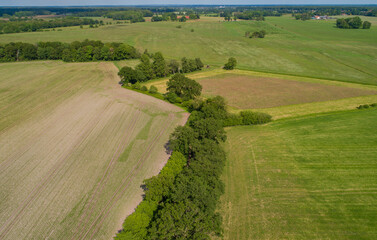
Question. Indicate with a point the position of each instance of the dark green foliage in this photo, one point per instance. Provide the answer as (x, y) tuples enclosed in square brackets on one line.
[(129, 75), (258, 34), (146, 67), (153, 89), (172, 97), (231, 64), (173, 67), (303, 16), (233, 120), (252, 118), (159, 65), (191, 65), (366, 106), (184, 87), (35, 25), (136, 225), (84, 51), (136, 86), (144, 88), (367, 25), (132, 15), (349, 23)]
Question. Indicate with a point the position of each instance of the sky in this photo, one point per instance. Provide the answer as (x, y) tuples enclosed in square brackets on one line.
[(160, 2)]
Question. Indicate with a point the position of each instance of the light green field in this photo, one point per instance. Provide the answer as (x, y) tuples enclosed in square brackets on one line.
[(305, 48), (305, 178), (75, 148)]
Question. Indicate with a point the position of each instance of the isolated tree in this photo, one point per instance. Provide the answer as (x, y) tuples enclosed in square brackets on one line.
[(367, 25), (231, 64)]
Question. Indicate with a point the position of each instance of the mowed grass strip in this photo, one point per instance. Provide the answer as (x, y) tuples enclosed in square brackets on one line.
[(62, 135), (245, 92), (305, 178)]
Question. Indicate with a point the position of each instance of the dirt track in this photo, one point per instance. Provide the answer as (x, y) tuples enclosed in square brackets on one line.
[(60, 173)]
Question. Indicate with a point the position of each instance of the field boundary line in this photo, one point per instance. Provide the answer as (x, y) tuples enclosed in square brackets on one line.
[(125, 183), (107, 173)]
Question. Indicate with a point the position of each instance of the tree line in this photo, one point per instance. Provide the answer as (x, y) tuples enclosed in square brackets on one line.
[(155, 66), (69, 52), (181, 202), (35, 25), (352, 23)]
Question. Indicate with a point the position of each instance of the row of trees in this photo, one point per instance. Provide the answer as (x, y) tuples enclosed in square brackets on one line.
[(171, 16), (181, 202), (35, 25), (159, 67), (70, 52), (132, 15), (352, 23), (303, 16)]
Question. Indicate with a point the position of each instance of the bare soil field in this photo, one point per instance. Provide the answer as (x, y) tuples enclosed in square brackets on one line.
[(249, 92), (67, 170)]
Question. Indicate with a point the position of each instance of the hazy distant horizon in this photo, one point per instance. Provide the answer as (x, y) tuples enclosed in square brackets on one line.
[(51, 3)]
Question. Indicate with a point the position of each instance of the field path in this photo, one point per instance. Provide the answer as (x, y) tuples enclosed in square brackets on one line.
[(62, 135)]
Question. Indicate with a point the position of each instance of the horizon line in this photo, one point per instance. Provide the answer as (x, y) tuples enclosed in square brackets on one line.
[(193, 5)]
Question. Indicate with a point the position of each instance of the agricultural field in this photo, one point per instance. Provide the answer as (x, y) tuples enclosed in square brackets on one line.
[(305, 178), (303, 48), (252, 92), (75, 148)]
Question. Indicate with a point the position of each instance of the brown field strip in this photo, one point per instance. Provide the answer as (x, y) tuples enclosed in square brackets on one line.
[(62, 134), (253, 92)]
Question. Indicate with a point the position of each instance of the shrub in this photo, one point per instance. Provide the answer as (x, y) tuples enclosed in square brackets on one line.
[(153, 89), (171, 97), (366, 106), (232, 120), (144, 88), (136, 86), (192, 30), (179, 26), (251, 118), (231, 64), (373, 105)]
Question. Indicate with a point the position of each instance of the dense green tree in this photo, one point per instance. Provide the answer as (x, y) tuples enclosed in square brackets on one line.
[(159, 65), (184, 87), (173, 66), (146, 67), (367, 25), (231, 64)]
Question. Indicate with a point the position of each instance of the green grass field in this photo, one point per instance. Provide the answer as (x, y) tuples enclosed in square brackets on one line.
[(310, 48), (305, 178), (75, 148)]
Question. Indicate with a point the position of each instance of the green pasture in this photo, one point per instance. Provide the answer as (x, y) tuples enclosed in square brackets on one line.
[(303, 48), (305, 178)]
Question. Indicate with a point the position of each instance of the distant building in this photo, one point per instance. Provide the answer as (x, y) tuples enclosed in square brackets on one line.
[(317, 17)]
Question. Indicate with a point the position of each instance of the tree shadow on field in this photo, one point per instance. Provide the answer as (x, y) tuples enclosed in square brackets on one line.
[(168, 149)]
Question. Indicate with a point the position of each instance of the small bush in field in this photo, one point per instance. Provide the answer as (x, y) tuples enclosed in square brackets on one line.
[(251, 118), (144, 88)]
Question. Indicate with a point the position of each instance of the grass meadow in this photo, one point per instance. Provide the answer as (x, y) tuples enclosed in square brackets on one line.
[(65, 124), (305, 178), (303, 48)]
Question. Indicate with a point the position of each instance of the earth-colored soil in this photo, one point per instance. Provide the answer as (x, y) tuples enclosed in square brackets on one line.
[(65, 171), (246, 92)]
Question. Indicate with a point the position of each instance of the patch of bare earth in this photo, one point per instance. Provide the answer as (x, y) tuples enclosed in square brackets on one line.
[(60, 174), (245, 92)]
